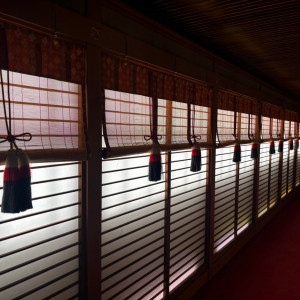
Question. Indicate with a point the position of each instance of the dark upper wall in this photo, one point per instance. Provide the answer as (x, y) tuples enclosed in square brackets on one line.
[(78, 6), (134, 35)]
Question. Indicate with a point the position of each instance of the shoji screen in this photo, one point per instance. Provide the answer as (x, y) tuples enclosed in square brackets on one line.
[(180, 121), (233, 195), (297, 182), (128, 118), (245, 193), (274, 176), (51, 110), (225, 124), (39, 248), (284, 182), (188, 203), (132, 230), (291, 170), (225, 194), (268, 178), (265, 127), (263, 188)]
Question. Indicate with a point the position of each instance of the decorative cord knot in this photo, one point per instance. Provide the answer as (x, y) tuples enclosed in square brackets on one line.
[(151, 137), (25, 137), (251, 137), (10, 138), (235, 136), (196, 138)]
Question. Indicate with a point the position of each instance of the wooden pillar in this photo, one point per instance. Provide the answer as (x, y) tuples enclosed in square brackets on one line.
[(210, 202), (94, 179), (167, 226), (82, 232), (295, 155), (256, 167), (280, 163), (167, 202)]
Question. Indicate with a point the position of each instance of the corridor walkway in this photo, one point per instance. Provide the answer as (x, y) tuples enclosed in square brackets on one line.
[(268, 268)]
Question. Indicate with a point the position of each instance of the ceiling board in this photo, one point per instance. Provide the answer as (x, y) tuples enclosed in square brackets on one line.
[(262, 37)]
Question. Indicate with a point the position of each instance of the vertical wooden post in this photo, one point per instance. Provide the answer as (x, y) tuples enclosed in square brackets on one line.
[(167, 202), (295, 155), (256, 167), (169, 122), (210, 199), (288, 169), (237, 179), (269, 182), (82, 232), (294, 168), (280, 163), (236, 200), (94, 179), (167, 226)]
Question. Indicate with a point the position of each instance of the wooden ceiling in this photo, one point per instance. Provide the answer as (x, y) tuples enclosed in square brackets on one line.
[(262, 37)]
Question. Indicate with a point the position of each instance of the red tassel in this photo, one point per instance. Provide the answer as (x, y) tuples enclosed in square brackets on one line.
[(196, 158), (16, 187), (237, 152), (291, 145), (272, 147), (155, 163), (254, 151)]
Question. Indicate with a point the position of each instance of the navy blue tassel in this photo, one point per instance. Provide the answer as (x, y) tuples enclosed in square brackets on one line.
[(196, 158), (254, 151), (155, 163), (237, 152), (17, 183), (272, 147)]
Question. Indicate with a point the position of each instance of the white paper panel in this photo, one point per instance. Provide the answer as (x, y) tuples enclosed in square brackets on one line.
[(188, 203), (225, 179), (49, 109), (263, 189), (291, 169), (274, 176), (42, 254), (132, 229), (246, 187), (284, 182)]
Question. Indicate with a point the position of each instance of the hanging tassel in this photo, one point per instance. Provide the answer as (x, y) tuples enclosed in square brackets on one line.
[(254, 151), (297, 144), (16, 186), (196, 158), (291, 145), (237, 152), (280, 146), (10, 187), (272, 147), (155, 162), (24, 184)]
